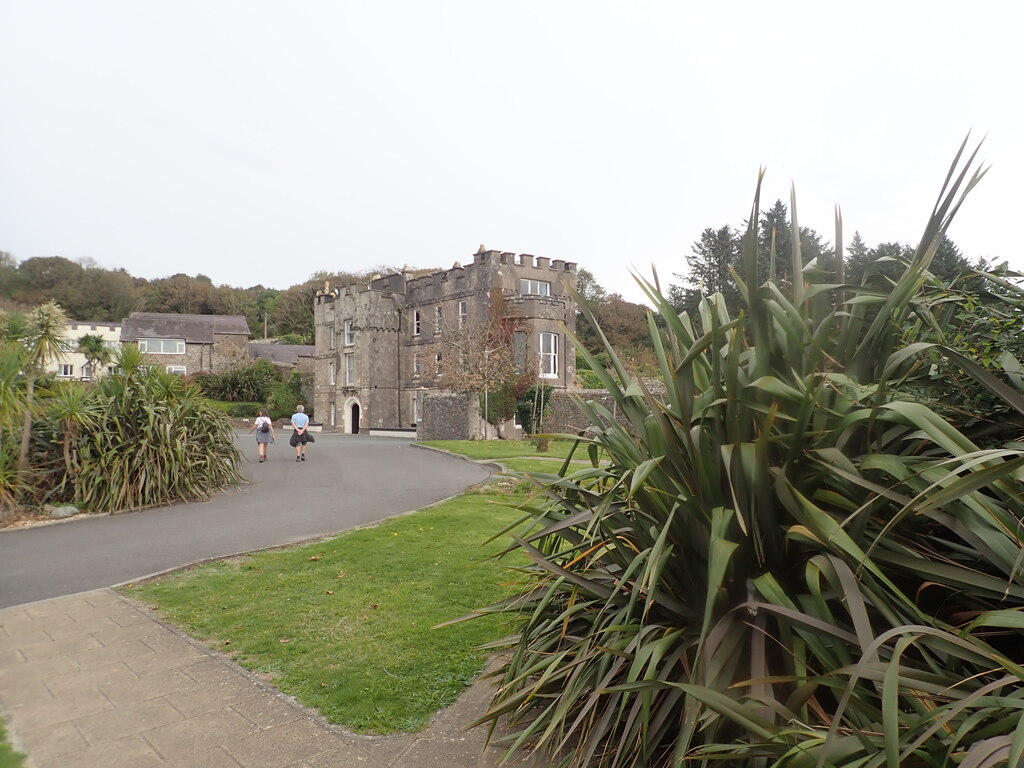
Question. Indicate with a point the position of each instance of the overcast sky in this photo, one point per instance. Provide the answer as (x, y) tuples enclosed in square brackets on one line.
[(259, 142)]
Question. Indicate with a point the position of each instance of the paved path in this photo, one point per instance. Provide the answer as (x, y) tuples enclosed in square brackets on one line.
[(94, 680), (347, 481)]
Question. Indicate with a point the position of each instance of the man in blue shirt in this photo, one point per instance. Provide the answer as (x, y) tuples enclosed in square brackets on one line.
[(300, 423)]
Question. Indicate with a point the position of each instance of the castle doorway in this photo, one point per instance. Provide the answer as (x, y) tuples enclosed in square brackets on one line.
[(354, 421)]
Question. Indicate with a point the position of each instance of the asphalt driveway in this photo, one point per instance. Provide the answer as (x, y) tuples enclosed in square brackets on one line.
[(347, 481)]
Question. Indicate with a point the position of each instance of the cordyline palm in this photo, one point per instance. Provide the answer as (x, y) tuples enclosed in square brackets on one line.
[(12, 409), (784, 561), (44, 342), (96, 352), (77, 410), (159, 442)]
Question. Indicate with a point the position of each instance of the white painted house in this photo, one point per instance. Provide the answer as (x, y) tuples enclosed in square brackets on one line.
[(74, 365)]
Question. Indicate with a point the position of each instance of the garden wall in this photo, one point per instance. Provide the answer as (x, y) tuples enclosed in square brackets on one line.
[(563, 415), (446, 416), (453, 416)]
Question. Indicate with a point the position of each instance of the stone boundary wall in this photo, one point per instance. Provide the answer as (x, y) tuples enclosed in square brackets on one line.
[(448, 416), (563, 416), (444, 416)]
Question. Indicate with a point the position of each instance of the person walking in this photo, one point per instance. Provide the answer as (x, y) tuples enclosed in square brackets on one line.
[(299, 438), (263, 426)]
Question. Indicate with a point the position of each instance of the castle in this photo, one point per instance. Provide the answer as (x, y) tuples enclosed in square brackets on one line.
[(379, 345)]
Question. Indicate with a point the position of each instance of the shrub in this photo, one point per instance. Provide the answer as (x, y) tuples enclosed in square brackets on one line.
[(243, 410), (533, 406), (588, 379), (788, 561), (149, 439), (247, 383), (284, 396), (210, 384)]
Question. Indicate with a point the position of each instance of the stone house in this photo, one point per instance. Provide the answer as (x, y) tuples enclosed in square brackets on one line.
[(285, 357), (288, 358), (73, 364), (379, 345), (189, 343)]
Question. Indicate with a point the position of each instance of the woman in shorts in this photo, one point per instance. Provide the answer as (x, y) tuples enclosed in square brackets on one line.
[(264, 429)]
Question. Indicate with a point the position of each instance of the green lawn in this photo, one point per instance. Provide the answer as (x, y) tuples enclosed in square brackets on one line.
[(8, 757), (346, 625), (550, 466), (504, 449)]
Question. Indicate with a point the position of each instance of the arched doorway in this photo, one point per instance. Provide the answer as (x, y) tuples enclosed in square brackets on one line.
[(349, 416)]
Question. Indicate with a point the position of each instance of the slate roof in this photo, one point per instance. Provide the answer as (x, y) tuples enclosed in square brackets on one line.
[(194, 329), (281, 354)]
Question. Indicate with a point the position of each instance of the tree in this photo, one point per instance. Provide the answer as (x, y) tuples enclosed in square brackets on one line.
[(949, 263), (857, 256), (713, 255), (10, 278), (623, 322), (487, 357), (44, 340), (887, 259), (590, 292), (182, 294), (683, 299), (775, 248), (52, 278), (107, 295), (12, 326), (95, 350), (710, 261), (291, 311)]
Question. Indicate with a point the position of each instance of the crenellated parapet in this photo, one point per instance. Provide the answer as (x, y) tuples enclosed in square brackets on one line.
[(523, 260)]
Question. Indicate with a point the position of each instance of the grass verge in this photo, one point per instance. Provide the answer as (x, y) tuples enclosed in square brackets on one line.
[(8, 757), (543, 466), (345, 625), (504, 449)]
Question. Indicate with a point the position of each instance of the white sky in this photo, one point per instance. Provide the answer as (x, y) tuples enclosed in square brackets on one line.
[(258, 142)]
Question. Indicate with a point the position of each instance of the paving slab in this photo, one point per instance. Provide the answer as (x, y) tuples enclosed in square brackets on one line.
[(95, 679)]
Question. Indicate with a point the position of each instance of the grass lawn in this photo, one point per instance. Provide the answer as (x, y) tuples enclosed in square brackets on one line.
[(345, 625), (226, 407), (8, 757), (549, 466), (504, 449)]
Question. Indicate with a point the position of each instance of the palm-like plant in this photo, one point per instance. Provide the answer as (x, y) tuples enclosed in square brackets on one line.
[(76, 409), (95, 350), (157, 442), (43, 341), (12, 409), (786, 560)]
